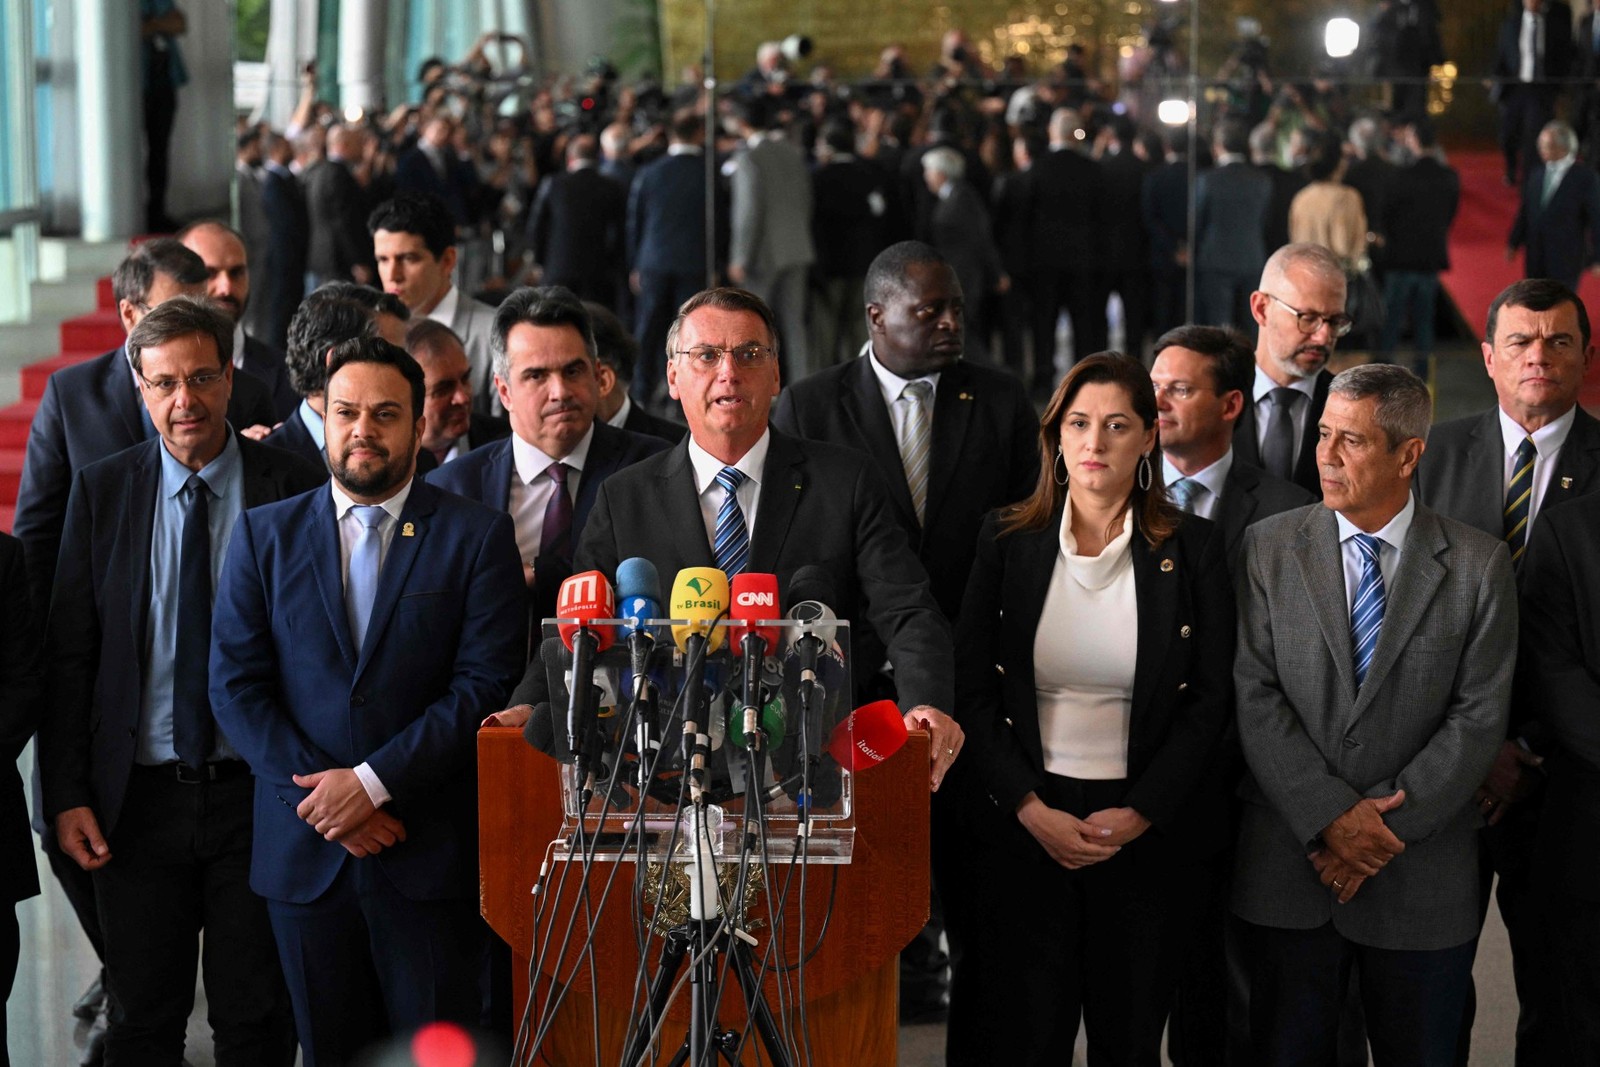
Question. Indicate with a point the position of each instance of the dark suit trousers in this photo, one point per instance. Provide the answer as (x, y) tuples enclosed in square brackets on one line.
[(1576, 922), (1044, 946), (1523, 112), (660, 295), (181, 863), (1133, 286), (1222, 298), (364, 962), (1083, 296), (1298, 979), (160, 112)]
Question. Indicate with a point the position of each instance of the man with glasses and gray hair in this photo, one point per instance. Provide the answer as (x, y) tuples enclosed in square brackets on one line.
[(1299, 310), (144, 789)]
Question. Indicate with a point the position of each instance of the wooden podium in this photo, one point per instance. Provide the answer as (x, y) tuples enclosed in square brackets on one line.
[(880, 901)]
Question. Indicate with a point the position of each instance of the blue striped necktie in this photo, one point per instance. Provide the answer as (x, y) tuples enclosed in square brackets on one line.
[(1519, 499), (731, 545), (361, 586), (1183, 492), (1366, 615)]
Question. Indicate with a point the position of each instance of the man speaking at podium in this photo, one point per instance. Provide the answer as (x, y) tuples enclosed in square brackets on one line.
[(740, 496)]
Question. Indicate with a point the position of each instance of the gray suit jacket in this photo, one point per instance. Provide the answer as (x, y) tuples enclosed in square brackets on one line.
[(473, 322), (771, 208), (1428, 720), (1462, 473)]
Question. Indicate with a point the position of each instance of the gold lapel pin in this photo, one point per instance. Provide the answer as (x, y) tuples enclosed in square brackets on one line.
[(1166, 566), (408, 530), (797, 485), (966, 396), (1566, 483)]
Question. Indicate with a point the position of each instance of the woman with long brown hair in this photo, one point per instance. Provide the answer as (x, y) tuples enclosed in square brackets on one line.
[(1095, 657)]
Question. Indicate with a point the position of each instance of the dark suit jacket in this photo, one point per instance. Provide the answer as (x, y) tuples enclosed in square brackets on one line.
[(89, 411), (485, 475), (1230, 219), (99, 616), (19, 717), (1421, 206), (1165, 203), (1558, 683), (666, 216), (1374, 178), (444, 646), (641, 421), (985, 454), (1285, 184), (1555, 62), (959, 229), (1182, 688), (1127, 247), (846, 230), (820, 504), (1250, 494), (336, 207), (266, 365), (1563, 236), (1067, 211), (576, 227), (457, 187), (1305, 467), (280, 278), (1462, 472)]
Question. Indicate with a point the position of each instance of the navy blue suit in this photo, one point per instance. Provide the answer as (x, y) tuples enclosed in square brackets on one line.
[(387, 941), (485, 474), (266, 363), (1563, 233)]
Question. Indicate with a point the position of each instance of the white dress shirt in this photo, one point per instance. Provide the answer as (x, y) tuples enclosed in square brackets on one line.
[(445, 310), (350, 529), (707, 467), (1300, 409), (1208, 498), (532, 487), (1547, 442)]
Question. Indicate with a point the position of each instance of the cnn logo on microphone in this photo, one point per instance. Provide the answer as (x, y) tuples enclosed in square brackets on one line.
[(756, 600)]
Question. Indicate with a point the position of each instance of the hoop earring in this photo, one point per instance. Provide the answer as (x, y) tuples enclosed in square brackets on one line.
[(1062, 479), (1146, 475)]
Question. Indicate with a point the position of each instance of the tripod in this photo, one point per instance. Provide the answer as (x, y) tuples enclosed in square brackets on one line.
[(701, 939)]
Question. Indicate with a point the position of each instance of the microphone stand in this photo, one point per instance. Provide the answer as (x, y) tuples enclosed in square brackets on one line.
[(707, 932)]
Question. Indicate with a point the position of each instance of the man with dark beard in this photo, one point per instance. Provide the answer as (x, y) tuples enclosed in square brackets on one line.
[(1300, 311), (228, 283), (360, 629)]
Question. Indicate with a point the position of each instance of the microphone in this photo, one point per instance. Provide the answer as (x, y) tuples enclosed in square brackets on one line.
[(638, 599), (755, 597), (809, 636), (700, 597), (868, 736), (584, 598)]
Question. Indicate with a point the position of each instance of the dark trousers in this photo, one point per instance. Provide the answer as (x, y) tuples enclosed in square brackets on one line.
[(1299, 978), (1524, 109), (1507, 848), (840, 327), (364, 962), (1413, 295), (1222, 298), (160, 112), (1133, 286), (181, 864), (660, 294), (1083, 297), (1044, 946), (1169, 299), (1576, 968)]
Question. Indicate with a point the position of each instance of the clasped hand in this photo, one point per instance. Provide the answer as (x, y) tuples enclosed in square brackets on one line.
[(339, 809), (1357, 845), (1074, 842)]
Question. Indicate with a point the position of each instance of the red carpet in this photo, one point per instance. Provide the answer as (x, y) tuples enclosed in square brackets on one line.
[(1478, 249)]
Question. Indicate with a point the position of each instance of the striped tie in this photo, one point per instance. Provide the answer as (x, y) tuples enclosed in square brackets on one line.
[(1519, 499), (1366, 615), (1183, 492), (731, 545), (914, 443)]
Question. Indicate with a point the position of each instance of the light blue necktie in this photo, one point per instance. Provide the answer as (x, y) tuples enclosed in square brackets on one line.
[(361, 587), (731, 545), (1366, 615), (1183, 492)]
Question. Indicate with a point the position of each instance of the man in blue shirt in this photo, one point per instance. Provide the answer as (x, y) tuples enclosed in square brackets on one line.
[(145, 791)]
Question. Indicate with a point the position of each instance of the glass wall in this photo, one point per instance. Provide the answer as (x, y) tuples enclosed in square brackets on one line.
[(19, 188)]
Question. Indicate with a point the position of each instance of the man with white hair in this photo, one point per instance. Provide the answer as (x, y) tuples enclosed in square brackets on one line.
[(1299, 310), (959, 229), (1559, 220)]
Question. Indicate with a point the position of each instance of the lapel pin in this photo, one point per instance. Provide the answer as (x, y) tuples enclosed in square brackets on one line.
[(966, 396), (797, 485), (408, 530), (1566, 483), (1166, 566)]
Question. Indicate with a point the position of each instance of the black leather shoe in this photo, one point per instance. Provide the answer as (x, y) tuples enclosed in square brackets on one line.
[(926, 1011), (92, 1002)]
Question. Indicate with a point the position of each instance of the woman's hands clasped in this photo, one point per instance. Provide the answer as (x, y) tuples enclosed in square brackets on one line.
[(1074, 842)]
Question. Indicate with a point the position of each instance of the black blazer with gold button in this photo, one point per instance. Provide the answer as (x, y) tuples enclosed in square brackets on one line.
[(1179, 749)]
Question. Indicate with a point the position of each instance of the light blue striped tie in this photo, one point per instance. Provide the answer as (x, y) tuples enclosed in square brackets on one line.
[(1366, 615), (361, 587), (1183, 492), (731, 545)]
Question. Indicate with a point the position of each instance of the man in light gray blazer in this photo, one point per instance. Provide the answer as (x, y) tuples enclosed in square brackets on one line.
[(1376, 643), (771, 248)]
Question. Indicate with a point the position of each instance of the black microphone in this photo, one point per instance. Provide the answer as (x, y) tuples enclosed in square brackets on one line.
[(814, 672)]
